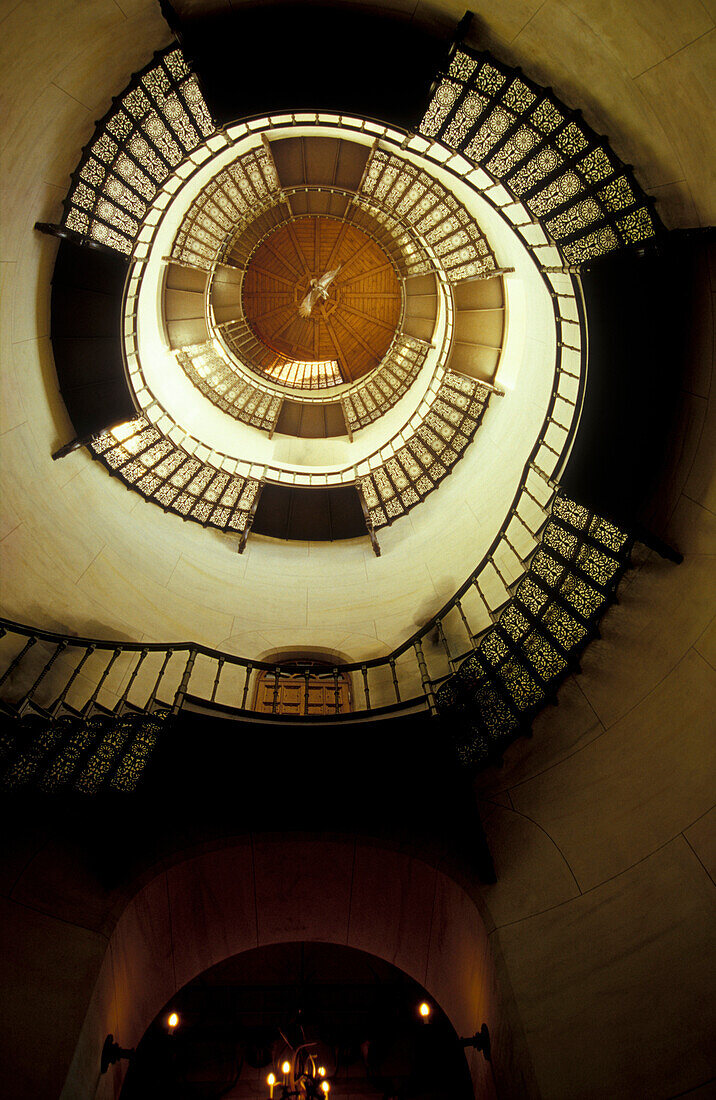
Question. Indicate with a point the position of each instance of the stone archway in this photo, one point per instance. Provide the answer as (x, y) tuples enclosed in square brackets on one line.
[(222, 902)]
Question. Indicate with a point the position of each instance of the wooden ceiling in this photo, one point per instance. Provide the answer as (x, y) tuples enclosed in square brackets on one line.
[(357, 322)]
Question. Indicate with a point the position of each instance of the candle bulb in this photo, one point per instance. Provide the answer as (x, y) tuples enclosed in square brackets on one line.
[(285, 1070), (271, 1081)]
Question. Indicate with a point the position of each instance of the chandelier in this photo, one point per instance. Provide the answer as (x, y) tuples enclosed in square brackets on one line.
[(303, 1078)]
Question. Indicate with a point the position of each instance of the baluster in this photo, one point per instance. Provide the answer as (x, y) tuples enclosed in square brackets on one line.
[(444, 643), (514, 551), (95, 694), (216, 679), (543, 443), (542, 506), (60, 647), (514, 512), (150, 701), (125, 695), (247, 677), (366, 689), (563, 269), (466, 624), (424, 677), (545, 477), (63, 694), (184, 684), (396, 688), (307, 679), (14, 663), (274, 702), (481, 594), (499, 572), (336, 691)]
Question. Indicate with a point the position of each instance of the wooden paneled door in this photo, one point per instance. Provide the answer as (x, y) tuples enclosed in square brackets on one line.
[(305, 690)]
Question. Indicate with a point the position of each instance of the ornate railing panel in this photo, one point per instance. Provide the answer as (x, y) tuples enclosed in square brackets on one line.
[(168, 475), (587, 200), (139, 143), (408, 197), (232, 393), (234, 198), (429, 454), (367, 402), (549, 619)]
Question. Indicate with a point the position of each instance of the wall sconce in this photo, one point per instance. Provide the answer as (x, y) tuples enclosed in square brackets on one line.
[(480, 1041), (112, 1052)]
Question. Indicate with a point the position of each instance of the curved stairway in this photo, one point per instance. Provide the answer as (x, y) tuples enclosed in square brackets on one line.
[(87, 714), (85, 732)]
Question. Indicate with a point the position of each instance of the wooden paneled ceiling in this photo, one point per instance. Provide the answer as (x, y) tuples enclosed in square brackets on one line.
[(354, 325)]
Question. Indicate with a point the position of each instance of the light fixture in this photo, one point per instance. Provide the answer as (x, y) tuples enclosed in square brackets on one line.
[(480, 1041), (173, 1020), (303, 1077), (112, 1052), (425, 1011)]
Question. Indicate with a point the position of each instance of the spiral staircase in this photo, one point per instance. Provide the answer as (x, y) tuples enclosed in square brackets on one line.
[(86, 712)]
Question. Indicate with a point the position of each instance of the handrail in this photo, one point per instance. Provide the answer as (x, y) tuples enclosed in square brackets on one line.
[(459, 171), (607, 546), (556, 280)]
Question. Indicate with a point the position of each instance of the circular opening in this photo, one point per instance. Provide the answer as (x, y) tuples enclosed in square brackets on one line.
[(322, 294)]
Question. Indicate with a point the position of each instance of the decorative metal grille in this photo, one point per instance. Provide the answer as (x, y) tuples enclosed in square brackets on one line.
[(167, 475), (307, 376), (73, 752), (406, 196), (586, 198), (218, 381), (240, 341), (239, 397), (154, 125), (429, 455), (225, 206), (382, 389), (549, 619)]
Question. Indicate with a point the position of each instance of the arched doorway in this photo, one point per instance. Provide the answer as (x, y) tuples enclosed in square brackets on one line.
[(336, 1016), (261, 891)]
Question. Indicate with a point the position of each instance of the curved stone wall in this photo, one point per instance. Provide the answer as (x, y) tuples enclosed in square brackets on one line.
[(600, 825), (220, 903)]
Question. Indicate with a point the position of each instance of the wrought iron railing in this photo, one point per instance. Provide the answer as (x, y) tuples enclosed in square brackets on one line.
[(88, 712), (542, 152), (159, 120), (564, 402)]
